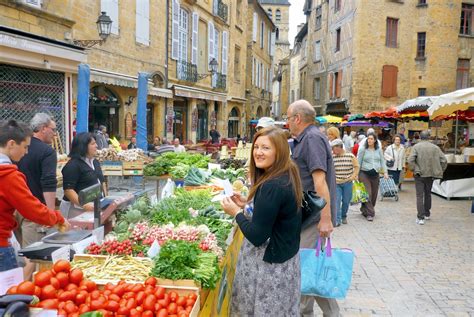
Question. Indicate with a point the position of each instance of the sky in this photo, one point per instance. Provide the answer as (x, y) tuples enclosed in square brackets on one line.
[(296, 17)]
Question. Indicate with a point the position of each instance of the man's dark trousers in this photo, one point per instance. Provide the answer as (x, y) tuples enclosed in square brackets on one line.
[(423, 195)]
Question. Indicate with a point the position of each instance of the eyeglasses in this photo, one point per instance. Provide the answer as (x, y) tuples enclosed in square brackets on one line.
[(53, 129)]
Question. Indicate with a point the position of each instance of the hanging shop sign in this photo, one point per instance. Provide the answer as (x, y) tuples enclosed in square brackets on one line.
[(128, 126)]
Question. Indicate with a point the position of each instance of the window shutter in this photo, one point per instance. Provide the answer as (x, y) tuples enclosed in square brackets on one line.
[(175, 30), (339, 84), (389, 81), (331, 85), (253, 71), (110, 7), (142, 22), (195, 39), (35, 3), (210, 38), (317, 51), (255, 27), (225, 45), (215, 7), (272, 45)]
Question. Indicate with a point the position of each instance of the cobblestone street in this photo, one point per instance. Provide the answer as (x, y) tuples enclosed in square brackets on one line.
[(404, 269)]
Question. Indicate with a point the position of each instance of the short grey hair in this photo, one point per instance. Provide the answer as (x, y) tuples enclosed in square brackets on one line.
[(425, 135), (305, 109), (40, 120)]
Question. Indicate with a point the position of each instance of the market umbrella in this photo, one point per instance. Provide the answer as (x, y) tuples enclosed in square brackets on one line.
[(417, 104), (360, 123), (329, 119), (356, 116)]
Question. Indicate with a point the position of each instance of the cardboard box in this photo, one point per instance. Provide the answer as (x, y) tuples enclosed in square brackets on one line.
[(132, 165)]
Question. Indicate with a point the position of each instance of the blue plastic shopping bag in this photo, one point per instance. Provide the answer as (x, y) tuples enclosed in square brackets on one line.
[(326, 273)]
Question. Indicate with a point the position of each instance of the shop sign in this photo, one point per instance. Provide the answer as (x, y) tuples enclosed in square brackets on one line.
[(194, 121), (22, 44), (114, 81)]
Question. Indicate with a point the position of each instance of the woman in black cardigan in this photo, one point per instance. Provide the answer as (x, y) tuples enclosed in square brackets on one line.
[(267, 278)]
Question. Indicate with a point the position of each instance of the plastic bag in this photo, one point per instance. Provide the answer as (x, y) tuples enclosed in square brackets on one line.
[(359, 193), (168, 190)]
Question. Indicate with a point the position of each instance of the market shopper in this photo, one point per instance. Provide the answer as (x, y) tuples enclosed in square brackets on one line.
[(427, 162), (372, 163), (101, 138), (312, 154), (178, 148), (267, 278), (39, 166), (14, 191), (80, 172), (215, 135), (346, 167), (264, 122), (133, 143), (333, 133), (395, 153)]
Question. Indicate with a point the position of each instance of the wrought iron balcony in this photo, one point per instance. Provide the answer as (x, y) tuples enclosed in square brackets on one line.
[(222, 10), (219, 81), (186, 71)]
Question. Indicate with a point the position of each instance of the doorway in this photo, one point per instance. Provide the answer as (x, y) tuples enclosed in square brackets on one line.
[(149, 122), (203, 127), (180, 120), (104, 110), (233, 128)]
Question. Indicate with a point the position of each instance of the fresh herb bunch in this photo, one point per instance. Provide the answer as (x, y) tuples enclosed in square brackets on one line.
[(232, 163), (164, 163)]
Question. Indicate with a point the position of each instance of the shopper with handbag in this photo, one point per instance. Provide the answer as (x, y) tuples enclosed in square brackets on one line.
[(372, 163), (395, 159), (268, 275)]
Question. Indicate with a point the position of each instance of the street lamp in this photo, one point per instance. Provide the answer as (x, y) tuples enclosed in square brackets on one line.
[(104, 26), (213, 69)]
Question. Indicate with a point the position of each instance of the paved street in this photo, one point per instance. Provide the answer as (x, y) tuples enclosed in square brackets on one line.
[(403, 269)]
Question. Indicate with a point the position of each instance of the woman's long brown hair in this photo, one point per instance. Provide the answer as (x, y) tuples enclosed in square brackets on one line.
[(282, 165)]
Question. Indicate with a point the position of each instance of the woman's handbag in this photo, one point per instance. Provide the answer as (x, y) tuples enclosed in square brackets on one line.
[(359, 193), (326, 273), (311, 207), (391, 163)]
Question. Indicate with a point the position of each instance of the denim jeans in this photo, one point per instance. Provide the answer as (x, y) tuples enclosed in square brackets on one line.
[(344, 196), (7, 259)]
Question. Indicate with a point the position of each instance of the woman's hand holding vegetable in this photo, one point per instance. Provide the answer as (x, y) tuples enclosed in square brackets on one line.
[(239, 200), (88, 206), (230, 207)]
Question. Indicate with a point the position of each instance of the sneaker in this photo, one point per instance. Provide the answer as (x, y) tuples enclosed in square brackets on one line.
[(370, 218), (338, 224), (427, 217), (420, 221), (344, 221)]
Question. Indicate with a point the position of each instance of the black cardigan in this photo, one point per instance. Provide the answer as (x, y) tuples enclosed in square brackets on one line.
[(77, 175), (276, 216)]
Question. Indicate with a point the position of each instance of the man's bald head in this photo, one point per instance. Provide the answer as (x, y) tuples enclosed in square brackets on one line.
[(304, 109)]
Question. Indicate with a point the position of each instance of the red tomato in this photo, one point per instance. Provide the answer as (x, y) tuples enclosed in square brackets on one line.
[(190, 302), (95, 294), (70, 287), (90, 285), (37, 291), (96, 304), (135, 313), (128, 287), (62, 266), (173, 296), (55, 282), (49, 304), (42, 278), (70, 308), (76, 314), (192, 296), (181, 301), (63, 279), (123, 311), (112, 306), (147, 313), (76, 276), (26, 288), (61, 305), (138, 288), (183, 314), (84, 308), (114, 297), (189, 309), (119, 290), (80, 299), (131, 303), (172, 308), (149, 303), (128, 295), (62, 312), (139, 308), (162, 313), (151, 281), (48, 292), (158, 306), (162, 303), (180, 309), (65, 296), (102, 299), (14, 290), (140, 297), (107, 292)]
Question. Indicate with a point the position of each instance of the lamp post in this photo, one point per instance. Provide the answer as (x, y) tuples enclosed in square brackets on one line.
[(213, 69), (104, 26)]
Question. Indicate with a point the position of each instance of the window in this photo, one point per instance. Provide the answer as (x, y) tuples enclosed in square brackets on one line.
[(142, 22), (337, 5), (389, 81), (237, 11), (338, 40), (319, 17), (421, 91), (255, 27), (317, 51), (183, 35), (467, 19), (111, 8), (216, 47), (270, 13), (34, 3), (422, 2), (462, 74), (392, 32), (421, 45), (262, 33), (317, 89), (278, 15), (335, 84), (237, 64), (277, 33)]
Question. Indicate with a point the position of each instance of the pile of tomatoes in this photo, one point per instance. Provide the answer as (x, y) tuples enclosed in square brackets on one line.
[(64, 289)]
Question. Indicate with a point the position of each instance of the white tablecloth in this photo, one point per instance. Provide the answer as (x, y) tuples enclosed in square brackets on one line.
[(458, 188)]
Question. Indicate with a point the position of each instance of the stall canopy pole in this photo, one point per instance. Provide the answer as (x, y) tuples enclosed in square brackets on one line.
[(82, 117), (456, 135), (141, 111)]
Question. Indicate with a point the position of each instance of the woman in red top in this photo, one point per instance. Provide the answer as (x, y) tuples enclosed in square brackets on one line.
[(14, 192)]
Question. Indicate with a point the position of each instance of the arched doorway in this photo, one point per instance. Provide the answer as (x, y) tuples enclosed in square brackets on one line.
[(267, 112), (104, 108), (259, 112), (233, 127)]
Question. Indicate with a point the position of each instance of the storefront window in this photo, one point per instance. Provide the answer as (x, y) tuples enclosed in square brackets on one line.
[(233, 128), (104, 110), (202, 128)]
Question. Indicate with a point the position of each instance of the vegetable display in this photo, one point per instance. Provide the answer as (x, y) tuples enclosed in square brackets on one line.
[(196, 177), (164, 163), (232, 163), (230, 174)]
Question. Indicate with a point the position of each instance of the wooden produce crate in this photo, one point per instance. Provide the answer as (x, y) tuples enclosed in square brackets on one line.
[(111, 166), (132, 172), (137, 165)]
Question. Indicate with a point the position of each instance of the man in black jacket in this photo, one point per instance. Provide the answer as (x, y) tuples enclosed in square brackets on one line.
[(39, 167)]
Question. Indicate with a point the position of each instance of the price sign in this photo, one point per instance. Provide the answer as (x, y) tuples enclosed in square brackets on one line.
[(63, 253), (98, 234), (80, 246), (154, 250)]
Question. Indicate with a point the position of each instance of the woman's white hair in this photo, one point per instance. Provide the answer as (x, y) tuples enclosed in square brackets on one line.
[(40, 120)]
